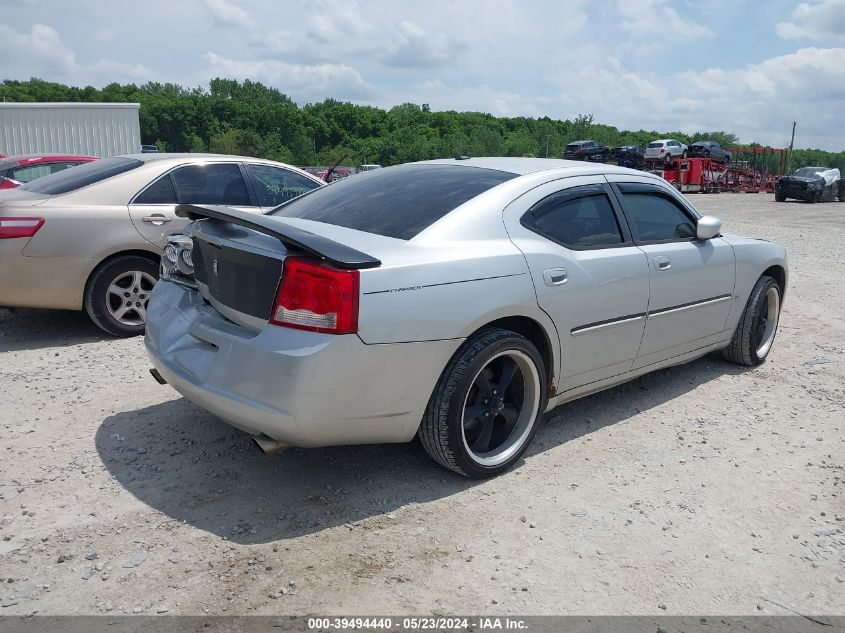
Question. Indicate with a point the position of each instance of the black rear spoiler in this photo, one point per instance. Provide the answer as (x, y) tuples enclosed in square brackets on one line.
[(334, 252)]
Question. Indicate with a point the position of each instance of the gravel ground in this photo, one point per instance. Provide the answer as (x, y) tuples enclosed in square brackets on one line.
[(705, 488)]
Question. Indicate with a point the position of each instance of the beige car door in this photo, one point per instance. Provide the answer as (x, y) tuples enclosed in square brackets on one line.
[(153, 209)]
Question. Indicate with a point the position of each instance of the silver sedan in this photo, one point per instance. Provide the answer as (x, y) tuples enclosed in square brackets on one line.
[(455, 300)]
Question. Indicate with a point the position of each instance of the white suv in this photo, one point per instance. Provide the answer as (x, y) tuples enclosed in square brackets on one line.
[(665, 149)]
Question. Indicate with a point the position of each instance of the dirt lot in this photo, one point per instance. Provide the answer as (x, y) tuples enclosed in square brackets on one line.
[(700, 489)]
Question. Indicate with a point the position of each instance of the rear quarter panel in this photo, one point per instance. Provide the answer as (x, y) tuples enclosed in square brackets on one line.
[(452, 294)]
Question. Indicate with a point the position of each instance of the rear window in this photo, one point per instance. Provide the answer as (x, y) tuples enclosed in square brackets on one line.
[(395, 202), (656, 144), (81, 176)]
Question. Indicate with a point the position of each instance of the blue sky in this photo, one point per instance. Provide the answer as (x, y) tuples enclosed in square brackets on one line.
[(747, 66)]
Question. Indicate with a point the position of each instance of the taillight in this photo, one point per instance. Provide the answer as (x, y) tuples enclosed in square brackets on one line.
[(19, 227), (317, 296)]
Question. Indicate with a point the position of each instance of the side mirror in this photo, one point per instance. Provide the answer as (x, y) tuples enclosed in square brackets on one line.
[(707, 227)]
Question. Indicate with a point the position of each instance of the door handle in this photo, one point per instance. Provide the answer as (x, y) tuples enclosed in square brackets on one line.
[(156, 219), (554, 276), (662, 263)]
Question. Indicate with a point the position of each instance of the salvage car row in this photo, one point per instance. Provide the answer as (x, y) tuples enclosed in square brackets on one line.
[(453, 300), (657, 150)]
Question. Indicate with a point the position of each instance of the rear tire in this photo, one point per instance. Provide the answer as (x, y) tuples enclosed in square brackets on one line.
[(755, 334), (487, 405), (779, 198), (117, 293)]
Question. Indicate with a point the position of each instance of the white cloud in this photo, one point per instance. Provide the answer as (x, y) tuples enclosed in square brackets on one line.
[(302, 81), (822, 20), (655, 19), (41, 44), (41, 52), (761, 100), (414, 46), (337, 22), (227, 14)]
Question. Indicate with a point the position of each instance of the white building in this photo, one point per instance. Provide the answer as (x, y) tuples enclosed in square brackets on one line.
[(89, 129)]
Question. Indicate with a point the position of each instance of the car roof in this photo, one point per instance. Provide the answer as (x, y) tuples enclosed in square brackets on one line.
[(523, 166), (155, 156)]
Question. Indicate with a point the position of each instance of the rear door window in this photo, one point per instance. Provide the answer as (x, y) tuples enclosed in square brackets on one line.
[(395, 202), (212, 183), (161, 191), (274, 185), (580, 218)]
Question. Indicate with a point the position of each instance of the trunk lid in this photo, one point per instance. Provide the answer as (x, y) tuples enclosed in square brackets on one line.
[(238, 259)]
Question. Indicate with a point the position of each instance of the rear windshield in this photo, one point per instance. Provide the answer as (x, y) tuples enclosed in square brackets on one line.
[(395, 202), (573, 146), (81, 176), (656, 144)]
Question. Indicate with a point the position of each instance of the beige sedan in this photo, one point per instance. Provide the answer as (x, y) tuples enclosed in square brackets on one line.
[(91, 237)]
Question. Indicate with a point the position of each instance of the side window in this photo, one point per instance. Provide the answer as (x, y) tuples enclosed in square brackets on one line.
[(212, 183), (274, 185), (26, 174), (654, 217), (576, 221), (160, 192)]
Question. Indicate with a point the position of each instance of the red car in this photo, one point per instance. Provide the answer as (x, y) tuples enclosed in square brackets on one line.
[(17, 170)]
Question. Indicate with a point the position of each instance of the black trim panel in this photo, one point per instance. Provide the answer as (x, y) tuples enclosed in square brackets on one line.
[(690, 304), (322, 247), (587, 326)]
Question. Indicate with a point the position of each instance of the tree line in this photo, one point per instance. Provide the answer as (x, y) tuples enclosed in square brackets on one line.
[(251, 119)]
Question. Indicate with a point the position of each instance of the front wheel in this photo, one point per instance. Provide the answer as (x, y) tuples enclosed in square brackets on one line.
[(752, 341), (117, 294), (487, 405)]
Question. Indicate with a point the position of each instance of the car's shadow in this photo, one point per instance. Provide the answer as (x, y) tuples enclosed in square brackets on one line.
[(25, 328), (186, 463)]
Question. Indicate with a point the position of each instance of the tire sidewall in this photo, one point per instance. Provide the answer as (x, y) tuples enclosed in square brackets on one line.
[(458, 397), (760, 291), (97, 287)]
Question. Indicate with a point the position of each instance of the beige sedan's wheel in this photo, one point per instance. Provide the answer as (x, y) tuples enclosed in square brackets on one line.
[(117, 294)]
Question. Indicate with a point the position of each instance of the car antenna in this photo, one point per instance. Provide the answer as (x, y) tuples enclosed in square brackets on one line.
[(462, 157), (328, 176)]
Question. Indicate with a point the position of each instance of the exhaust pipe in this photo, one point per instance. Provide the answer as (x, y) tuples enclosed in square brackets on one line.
[(159, 379), (268, 445)]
